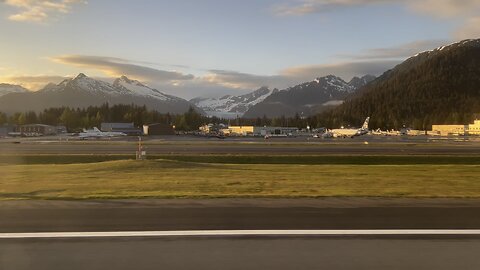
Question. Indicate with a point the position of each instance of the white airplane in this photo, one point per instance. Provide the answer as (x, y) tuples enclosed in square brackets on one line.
[(350, 132), (96, 133)]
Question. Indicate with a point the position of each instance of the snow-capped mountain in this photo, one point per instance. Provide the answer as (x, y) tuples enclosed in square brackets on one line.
[(86, 85), (83, 91), (232, 106), (10, 88), (135, 87), (307, 98), (357, 82)]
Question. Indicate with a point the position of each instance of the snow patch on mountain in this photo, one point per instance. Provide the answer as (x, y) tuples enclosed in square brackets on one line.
[(135, 87), (470, 42), (231, 106), (10, 88)]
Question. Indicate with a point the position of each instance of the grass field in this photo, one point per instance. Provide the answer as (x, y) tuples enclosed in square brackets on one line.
[(176, 178), (250, 159)]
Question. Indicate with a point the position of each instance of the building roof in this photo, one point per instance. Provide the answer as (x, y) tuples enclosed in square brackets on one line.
[(36, 125)]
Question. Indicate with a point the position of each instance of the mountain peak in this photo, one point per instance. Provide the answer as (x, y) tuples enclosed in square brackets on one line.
[(80, 76), (359, 82), (125, 79), (11, 88), (137, 88)]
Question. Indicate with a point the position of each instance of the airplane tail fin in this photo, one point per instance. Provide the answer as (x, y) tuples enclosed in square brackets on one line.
[(96, 129), (365, 125), (84, 130)]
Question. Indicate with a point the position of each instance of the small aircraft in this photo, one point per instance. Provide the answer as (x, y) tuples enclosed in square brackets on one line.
[(349, 132), (96, 133)]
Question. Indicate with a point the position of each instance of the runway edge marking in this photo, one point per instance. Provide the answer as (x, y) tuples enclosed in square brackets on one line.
[(232, 233)]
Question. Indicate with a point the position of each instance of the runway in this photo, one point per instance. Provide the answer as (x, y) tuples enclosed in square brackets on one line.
[(238, 214), (241, 253), (330, 233), (357, 146), (238, 233)]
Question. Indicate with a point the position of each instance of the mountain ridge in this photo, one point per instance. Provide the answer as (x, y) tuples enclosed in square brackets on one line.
[(83, 91), (6, 88), (308, 98), (231, 106)]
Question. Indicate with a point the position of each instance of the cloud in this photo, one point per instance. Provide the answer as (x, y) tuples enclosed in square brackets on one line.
[(39, 10), (444, 8), (318, 6), (32, 82), (345, 70), (220, 82), (234, 79), (116, 67), (198, 87), (470, 29), (373, 61), (397, 52), (440, 8), (463, 10), (294, 75)]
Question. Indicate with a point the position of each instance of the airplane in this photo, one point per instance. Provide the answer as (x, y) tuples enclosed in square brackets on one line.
[(96, 133), (350, 132)]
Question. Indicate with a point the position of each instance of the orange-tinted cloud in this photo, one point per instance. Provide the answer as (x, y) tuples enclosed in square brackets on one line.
[(115, 67), (39, 10)]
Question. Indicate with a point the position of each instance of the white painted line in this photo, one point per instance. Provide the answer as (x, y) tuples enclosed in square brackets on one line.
[(233, 233)]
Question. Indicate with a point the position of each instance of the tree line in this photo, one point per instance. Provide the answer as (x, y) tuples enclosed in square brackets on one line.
[(75, 119)]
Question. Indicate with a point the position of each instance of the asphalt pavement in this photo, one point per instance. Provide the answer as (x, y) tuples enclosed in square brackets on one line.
[(305, 146), (280, 253), (241, 252), (238, 214)]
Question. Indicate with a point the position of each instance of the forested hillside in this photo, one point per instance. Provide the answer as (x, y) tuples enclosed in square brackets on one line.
[(435, 87)]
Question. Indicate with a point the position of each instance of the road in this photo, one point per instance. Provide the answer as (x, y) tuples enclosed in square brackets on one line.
[(241, 252), (357, 146)]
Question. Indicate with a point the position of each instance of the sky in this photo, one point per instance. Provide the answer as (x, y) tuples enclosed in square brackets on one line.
[(191, 48)]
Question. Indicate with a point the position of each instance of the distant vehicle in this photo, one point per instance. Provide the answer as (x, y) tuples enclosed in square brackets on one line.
[(14, 134), (350, 132), (96, 133), (216, 135), (380, 132), (269, 136)]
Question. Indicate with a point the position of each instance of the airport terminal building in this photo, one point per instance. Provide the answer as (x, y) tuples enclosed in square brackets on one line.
[(446, 130), (458, 130), (259, 131), (474, 129)]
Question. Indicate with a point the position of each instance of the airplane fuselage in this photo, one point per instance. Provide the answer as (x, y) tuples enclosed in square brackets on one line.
[(96, 133)]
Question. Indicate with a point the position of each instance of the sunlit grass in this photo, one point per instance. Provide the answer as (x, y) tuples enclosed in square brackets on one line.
[(167, 178), (252, 159)]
